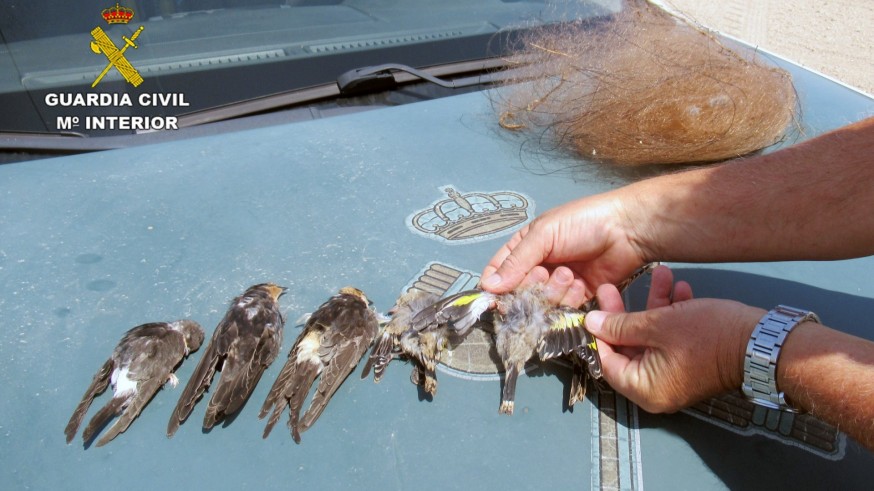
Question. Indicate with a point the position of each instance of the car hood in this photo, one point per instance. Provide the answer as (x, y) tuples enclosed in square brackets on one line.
[(417, 195)]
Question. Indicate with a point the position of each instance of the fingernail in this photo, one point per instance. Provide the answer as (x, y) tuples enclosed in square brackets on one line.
[(594, 320), (492, 281)]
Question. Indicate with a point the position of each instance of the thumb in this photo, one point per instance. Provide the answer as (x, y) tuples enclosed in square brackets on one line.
[(619, 329)]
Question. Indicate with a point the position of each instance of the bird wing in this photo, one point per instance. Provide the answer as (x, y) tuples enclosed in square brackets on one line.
[(645, 269), (408, 305), (156, 352), (99, 383), (154, 357), (135, 342), (107, 412), (145, 391), (293, 384), (567, 335), (459, 311), (623, 285), (380, 356), (586, 363), (341, 348), (578, 382), (566, 332), (591, 356), (199, 381), (248, 355)]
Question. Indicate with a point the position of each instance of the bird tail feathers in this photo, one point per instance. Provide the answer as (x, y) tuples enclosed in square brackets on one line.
[(98, 385)]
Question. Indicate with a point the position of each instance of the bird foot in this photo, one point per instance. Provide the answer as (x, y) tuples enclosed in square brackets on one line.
[(506, 407), (430, 385), (416, 376)]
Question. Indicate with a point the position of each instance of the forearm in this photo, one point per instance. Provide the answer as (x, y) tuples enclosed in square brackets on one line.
[(825, 372), (809, 201), (831, 375)]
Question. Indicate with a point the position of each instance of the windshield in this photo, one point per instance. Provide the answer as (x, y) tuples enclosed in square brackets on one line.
[(63, 62)]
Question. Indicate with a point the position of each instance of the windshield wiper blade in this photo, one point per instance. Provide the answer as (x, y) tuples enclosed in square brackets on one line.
[(491, 70), (380, 78), (387, 76), (488, 71)]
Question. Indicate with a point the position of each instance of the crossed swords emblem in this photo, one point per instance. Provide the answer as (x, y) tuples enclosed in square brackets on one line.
[(102, 44)]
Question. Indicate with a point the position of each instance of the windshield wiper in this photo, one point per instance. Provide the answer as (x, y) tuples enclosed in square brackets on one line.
[(380, 78), (371, 79)]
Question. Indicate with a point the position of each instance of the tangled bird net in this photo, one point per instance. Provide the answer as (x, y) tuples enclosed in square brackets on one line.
[(644, 87)]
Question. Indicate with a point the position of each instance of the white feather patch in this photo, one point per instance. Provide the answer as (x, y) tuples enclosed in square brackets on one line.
[(308, 349), (122, 383)]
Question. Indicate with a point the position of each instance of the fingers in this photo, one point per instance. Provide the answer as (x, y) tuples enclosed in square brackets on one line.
[(661, 288), (562, 287), (503, 252), (635, 329), (558, 283), (510, 266), (538, 274), (575, 295), (614, 362), (619, 361), (609, 299), (620, 329), (663, 291), (513, 262), (682, 291)]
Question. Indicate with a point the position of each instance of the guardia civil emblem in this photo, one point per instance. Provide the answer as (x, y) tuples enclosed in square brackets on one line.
[(101, 43)]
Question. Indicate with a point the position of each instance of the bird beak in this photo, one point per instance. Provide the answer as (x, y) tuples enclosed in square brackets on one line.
[(275, 291)]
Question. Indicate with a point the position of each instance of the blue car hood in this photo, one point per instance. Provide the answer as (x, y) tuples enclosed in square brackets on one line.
[(422, 195)]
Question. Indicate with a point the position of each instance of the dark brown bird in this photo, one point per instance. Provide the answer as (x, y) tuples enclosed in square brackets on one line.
[(388, 345), (142, 362), (244, 344), (332, 342)]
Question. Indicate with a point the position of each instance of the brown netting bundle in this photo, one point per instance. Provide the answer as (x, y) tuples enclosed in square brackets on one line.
[(644, 87)]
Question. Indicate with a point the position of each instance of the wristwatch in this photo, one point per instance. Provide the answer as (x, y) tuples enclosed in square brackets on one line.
[(763, 352)]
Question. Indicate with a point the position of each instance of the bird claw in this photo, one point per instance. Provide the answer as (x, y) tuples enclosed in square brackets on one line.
[(416, 376), (430, 385), (506, 407)]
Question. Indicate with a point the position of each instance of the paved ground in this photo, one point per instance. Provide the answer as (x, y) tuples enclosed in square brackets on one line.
[(830, 36)]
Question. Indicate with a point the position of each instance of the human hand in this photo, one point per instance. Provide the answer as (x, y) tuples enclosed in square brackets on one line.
[(677, 352), (572, 248)]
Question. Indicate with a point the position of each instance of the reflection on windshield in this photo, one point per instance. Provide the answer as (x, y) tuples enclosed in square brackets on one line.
[(217, 52)]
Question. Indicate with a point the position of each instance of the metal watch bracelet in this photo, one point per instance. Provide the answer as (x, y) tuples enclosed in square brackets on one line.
[(763, 352)]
